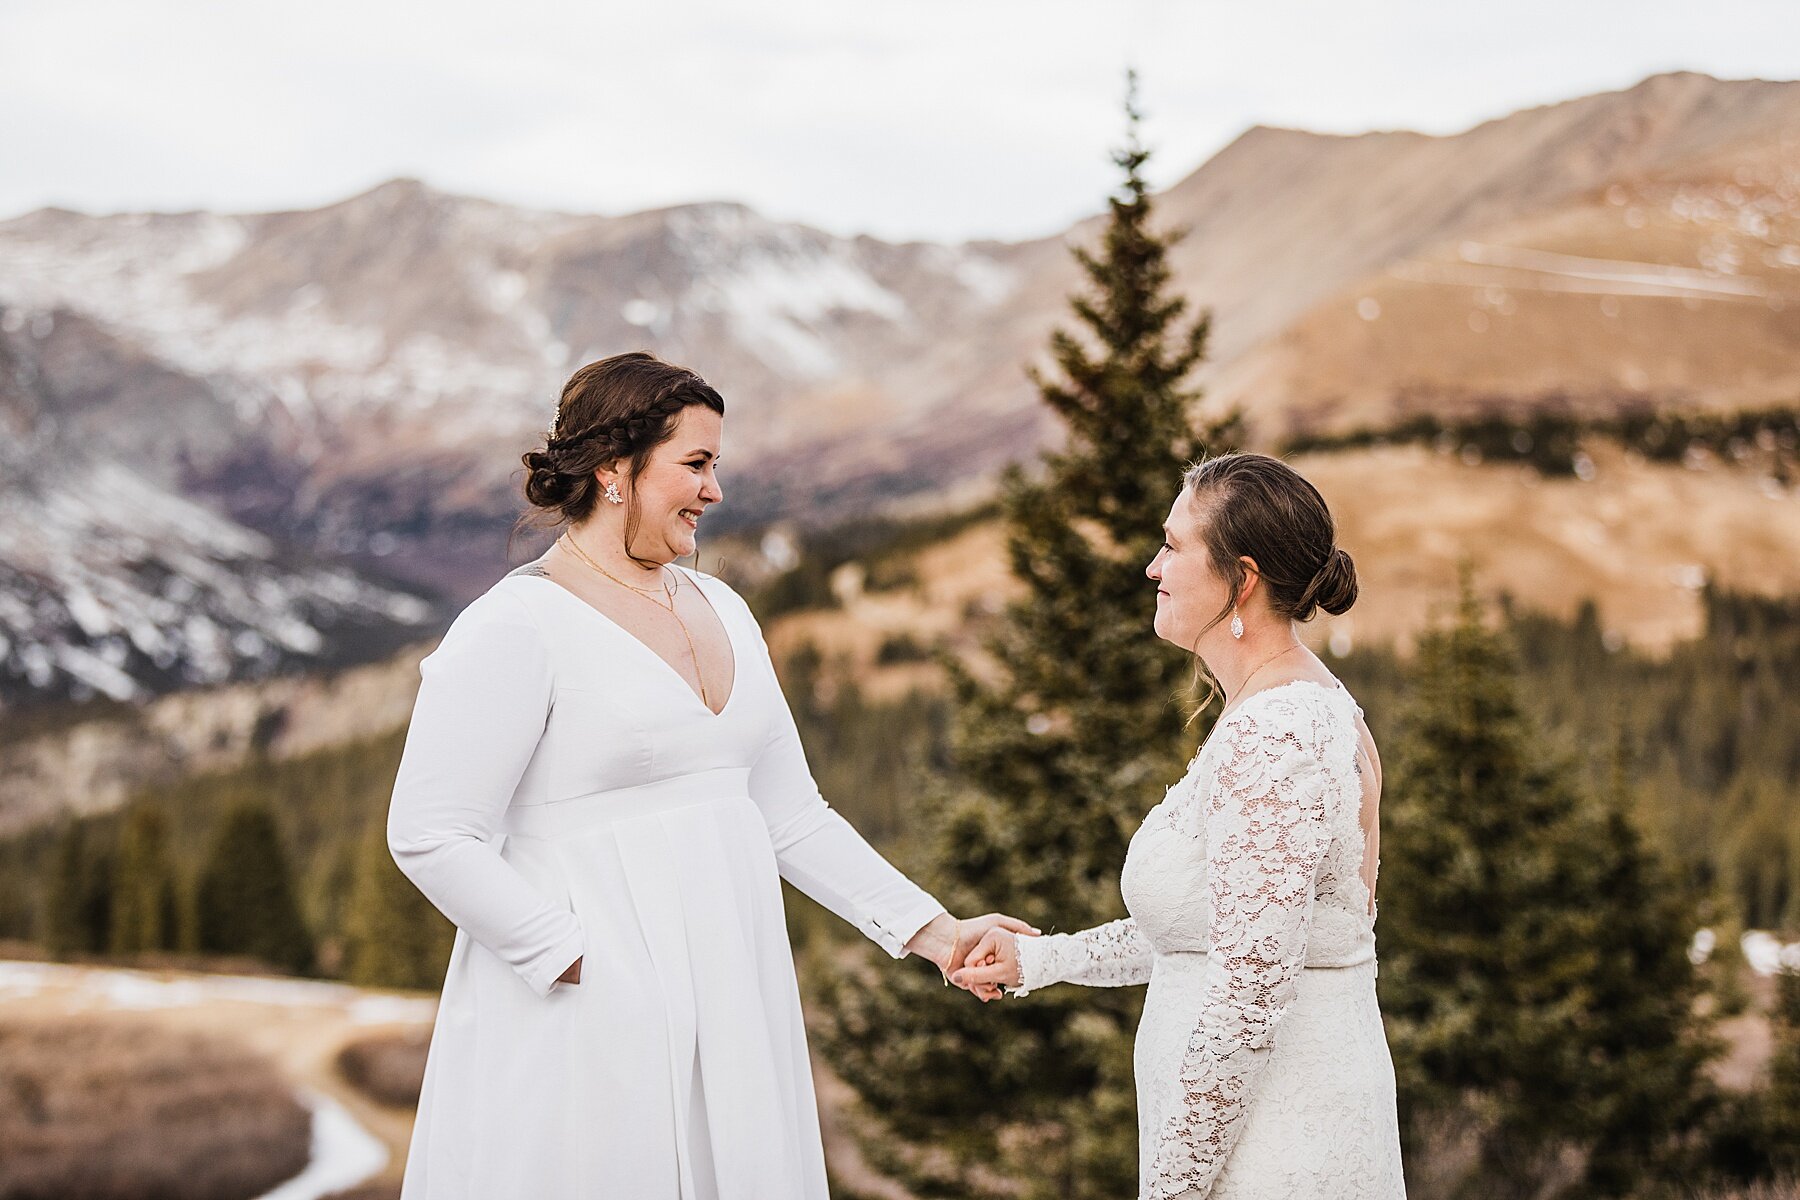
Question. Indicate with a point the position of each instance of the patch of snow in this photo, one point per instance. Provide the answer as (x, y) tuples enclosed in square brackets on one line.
[(987, 279), (81, 663), (97, 580), (344, 1154), (21, 979), (1767, 954), (135, 277), (775, 284), (392, 1010), (1638, 278), (127, 988)]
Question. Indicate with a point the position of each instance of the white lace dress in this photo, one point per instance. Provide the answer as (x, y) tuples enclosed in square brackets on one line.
[(1262, 1066)]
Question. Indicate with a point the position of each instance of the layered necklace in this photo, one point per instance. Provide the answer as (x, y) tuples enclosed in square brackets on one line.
[(667, 603)]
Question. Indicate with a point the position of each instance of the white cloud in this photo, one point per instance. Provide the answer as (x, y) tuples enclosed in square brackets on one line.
[(933, 118)]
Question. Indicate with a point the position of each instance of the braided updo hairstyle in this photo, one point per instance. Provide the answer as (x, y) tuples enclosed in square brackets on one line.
[(1261, 508), (617, 409)]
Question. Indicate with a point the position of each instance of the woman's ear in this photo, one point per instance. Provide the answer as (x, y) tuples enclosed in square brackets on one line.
[(1252, 580)]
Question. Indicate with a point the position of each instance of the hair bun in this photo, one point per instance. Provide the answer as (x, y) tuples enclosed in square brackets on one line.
[(546, 486), (1334, 589)]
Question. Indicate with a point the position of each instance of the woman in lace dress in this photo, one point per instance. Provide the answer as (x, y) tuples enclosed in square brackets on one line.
[(1262, 1066), (602, 787)]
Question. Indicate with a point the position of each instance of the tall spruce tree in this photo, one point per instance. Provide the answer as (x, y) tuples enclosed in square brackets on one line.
[(394, 937), (1533, 948), (1057, 756), (246, 901), (143, 893)]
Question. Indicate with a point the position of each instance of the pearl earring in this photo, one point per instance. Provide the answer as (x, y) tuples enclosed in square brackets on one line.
[(612, 493), (1237, 624)]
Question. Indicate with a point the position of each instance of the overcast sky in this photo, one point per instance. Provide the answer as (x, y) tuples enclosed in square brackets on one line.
[(942, 119)]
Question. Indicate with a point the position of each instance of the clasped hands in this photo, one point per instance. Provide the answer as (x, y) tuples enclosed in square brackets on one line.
[(978, 954)]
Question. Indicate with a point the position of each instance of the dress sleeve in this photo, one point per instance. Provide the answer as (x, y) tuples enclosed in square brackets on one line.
[(484, 696), (1266, 834), (1111, 955), (816, 849)]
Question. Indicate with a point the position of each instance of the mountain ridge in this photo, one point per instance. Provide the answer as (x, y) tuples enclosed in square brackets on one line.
[(342, 379)]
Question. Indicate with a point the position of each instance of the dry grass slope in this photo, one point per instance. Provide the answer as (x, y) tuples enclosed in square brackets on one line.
[(128, 1110), (388, 1068), (1639, 538)]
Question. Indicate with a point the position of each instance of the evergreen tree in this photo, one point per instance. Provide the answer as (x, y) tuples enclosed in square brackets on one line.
[(1055, 761), (1781, 1102), (394, 937), (246, 902), (78, 898), (1534, 968), (143, 893)]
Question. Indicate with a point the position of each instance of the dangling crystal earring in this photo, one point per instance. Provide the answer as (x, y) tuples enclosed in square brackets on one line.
[(1237, 624), (612, 493)]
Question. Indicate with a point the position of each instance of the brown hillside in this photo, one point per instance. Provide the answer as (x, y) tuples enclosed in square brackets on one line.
[(1639, 538)]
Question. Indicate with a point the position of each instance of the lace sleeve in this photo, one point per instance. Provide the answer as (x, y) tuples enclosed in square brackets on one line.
[(1266, 834), (1111, 955)]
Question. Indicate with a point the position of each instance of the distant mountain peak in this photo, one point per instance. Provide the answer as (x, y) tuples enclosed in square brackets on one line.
[(374, 367)]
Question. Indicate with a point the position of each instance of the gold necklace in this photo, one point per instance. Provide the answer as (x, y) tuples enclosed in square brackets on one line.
[(665, 590), (649, 594)]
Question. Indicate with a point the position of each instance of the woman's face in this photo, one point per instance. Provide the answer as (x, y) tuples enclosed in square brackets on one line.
[(1189, 590), (676, 486)]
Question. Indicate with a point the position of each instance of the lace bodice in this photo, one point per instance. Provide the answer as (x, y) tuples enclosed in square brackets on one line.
[(1248, 871)]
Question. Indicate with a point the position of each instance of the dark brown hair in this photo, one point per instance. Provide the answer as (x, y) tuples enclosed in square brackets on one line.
[(1260, 508), (619, 408)]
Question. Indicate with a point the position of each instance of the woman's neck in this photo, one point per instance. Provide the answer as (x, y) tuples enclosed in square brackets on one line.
[(606, 548), (1242, 663)]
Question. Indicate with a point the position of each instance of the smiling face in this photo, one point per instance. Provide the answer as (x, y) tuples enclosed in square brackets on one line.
[(677, 484), (1190, 591)]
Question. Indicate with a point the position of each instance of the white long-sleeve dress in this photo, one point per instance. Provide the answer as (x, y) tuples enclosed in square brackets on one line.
[(1262, 1067), (564, 793)]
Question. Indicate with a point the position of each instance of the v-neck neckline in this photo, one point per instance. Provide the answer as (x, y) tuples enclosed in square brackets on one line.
[(730, 642)]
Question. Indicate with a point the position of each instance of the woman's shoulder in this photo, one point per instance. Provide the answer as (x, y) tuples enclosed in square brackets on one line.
[(497, 634), (1303, 706), (511, 601)]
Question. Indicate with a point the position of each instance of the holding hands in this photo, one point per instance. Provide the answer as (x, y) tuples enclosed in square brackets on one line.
[(979, 954), (992, 964)]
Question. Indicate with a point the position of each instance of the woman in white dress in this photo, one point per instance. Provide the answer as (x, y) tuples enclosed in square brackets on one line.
[(602, 786), (1262, 1066)]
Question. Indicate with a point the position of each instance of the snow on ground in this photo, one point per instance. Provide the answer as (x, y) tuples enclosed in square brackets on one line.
[(127, 990), (1619, 279), (344, 1154), (131, 564)]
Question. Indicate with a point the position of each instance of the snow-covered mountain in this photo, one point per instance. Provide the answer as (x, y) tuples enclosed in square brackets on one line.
[(114, 584), (390, 356), (357, 382), (193, 398)]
